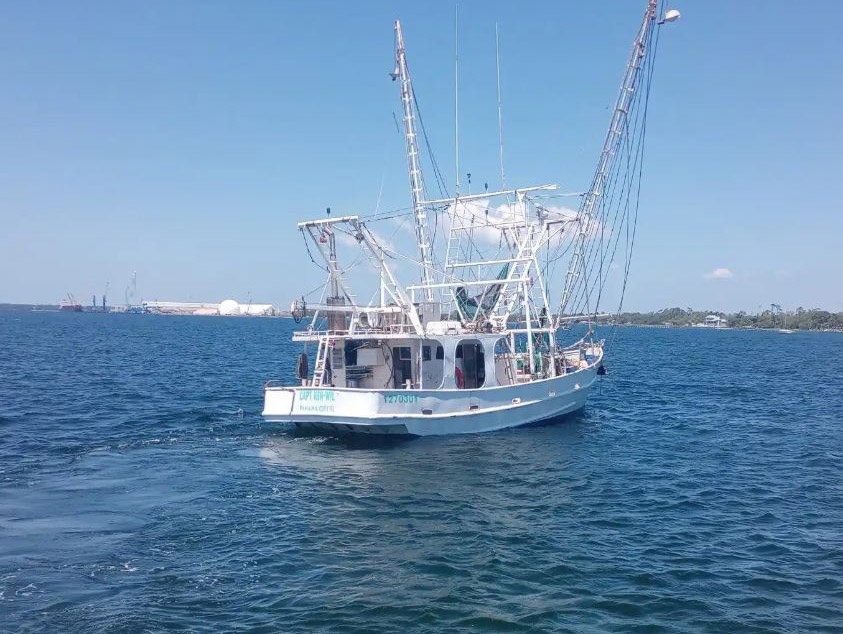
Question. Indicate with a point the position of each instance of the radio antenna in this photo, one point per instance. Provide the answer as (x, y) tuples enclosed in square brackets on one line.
[(500, 105), (456, 101)]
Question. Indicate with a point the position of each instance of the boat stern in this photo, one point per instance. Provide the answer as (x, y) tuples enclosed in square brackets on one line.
[(277, 402)]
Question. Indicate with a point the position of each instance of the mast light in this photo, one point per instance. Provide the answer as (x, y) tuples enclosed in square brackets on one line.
[(670, 16)]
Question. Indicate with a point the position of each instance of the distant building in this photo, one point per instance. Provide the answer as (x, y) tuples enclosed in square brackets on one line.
[(226, 308), (180, 308), (713, 321), (230, 308)]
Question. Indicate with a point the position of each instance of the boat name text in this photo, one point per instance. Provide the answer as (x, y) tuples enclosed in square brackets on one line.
[(316, 395)]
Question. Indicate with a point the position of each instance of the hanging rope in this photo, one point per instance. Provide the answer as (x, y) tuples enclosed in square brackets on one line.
[(309, 254)]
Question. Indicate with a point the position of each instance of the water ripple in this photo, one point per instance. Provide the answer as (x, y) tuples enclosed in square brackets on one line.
[(141, 492)]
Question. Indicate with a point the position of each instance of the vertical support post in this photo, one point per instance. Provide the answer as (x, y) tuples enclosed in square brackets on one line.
[(456, 104), (529, 322), (500, 105)]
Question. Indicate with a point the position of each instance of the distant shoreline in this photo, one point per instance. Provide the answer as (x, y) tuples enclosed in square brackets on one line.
[(813, 320), (111, 310), (774, 318), (743, 328)]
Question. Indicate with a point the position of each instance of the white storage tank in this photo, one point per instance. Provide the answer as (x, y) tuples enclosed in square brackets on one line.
[(229, 307)]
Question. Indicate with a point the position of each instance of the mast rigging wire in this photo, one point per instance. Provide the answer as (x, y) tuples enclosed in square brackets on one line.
[(617, 215)]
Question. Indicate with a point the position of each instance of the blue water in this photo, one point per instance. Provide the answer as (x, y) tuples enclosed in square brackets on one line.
[(701, 491)]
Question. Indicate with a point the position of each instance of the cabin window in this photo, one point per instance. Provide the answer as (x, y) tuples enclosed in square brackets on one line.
[(504, 362), (470, 365), (402, 366), (502, 346), (351, 352), (432, 365)]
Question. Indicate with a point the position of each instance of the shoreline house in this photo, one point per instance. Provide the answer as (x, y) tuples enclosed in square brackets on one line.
[(714, 321)]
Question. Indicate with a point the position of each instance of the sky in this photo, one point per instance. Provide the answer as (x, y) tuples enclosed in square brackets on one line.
[(185, 140)]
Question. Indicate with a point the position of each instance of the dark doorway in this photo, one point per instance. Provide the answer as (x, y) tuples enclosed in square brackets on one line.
[(471, 357), (402, 366)]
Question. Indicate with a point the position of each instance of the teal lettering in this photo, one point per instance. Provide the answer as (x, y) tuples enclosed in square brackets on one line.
[(316, 395)]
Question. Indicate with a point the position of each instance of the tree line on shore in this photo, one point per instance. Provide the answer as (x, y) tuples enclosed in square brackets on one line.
[(774, 317)]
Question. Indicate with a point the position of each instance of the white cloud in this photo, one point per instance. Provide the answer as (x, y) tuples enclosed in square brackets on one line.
[(346, 239), (349, 241), (719, 274), (486, 220)]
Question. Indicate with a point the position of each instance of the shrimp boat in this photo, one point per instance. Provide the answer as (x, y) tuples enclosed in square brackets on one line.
[(475, 344)]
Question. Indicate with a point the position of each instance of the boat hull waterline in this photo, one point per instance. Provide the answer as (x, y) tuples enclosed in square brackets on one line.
[(428, 412)]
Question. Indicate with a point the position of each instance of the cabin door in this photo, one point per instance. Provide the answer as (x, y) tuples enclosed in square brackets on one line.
[(473, 365)]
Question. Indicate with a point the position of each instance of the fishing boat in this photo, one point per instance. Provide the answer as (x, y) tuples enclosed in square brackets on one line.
[(476, 343), (70, 304)]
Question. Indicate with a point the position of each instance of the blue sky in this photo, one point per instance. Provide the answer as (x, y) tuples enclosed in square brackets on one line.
[(184, 140)]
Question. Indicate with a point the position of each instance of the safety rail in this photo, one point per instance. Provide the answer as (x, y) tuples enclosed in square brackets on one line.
[(395, 329)]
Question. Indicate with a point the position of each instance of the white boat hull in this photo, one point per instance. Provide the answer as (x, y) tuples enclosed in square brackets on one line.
[(427, 412)]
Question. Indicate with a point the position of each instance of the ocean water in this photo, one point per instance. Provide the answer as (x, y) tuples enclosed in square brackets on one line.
[(700, 491)]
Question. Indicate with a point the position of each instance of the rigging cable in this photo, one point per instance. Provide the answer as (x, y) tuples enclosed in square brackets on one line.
[(614, 212), (590, 261), (310, 255), (631, 245), (640, 171)]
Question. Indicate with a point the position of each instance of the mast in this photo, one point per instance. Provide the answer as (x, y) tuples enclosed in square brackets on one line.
[(414, 163), (614, 135), (333, 269), (456, 103), (500, 105)]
